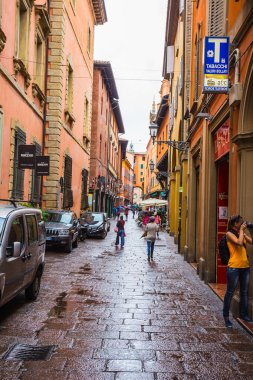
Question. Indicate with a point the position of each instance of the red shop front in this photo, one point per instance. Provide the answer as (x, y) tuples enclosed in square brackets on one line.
[(221, 157)]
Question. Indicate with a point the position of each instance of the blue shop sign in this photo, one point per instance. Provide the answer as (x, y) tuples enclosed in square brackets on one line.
[(216, 65)]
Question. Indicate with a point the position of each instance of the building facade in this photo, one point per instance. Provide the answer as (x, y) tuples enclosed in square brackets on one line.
[(107, 124), (46, 69), (23, 46)]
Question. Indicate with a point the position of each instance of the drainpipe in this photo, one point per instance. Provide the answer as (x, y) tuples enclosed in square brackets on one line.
[(45, 107), (182, 135)]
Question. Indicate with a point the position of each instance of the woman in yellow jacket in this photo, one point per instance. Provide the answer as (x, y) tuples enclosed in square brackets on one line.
[(238, 267)]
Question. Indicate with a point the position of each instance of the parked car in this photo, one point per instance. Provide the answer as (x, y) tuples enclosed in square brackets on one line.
[(22, 251), (97, 224), (61, 229), (108, 221)]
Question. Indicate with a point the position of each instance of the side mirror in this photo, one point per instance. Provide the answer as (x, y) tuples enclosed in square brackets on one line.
[(16, 249)]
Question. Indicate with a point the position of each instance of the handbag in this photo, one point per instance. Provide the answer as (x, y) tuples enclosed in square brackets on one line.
[(144, 234), (116, 229), (124, 234)]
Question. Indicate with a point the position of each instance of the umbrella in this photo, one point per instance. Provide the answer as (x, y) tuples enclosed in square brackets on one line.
[(154, 202)]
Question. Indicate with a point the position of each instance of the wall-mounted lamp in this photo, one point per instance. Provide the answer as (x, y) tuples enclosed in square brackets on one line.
[(179, 145), (205, 115)]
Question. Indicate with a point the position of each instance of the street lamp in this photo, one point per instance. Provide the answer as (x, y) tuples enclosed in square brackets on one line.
[(158, 173), (179, 145)]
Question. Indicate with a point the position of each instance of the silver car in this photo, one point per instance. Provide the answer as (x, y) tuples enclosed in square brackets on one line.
[(22, 252)]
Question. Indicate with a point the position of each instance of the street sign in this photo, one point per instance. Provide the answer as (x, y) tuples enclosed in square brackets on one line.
[(26, 156), (216, 65), (42, 165)]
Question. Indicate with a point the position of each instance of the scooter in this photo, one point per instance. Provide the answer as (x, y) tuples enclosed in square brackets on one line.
[(82, 230)]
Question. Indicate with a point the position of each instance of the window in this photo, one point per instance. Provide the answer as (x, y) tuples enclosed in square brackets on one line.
[(18, 174), (68, 194), (89, 40), (100, 147), (35, 183), (17, 233), (23, 21), (86, 118), (70, 85), (41, 32), (198, 48), (141, 166), (141, 173), (102, 104), (216, 18), (84, 194), (32, 229)]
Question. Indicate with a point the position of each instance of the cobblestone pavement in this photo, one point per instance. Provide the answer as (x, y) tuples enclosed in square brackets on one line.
[(112, 315)]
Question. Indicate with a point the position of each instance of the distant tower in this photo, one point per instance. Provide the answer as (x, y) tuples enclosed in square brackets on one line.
[(131, 146), (152, 115)]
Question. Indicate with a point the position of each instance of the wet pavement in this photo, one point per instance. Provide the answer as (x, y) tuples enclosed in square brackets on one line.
[(110, 314)]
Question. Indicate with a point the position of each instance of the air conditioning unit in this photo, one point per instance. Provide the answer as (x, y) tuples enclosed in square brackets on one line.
[(235, 94)]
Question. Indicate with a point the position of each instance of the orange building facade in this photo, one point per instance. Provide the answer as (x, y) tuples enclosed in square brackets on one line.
[(46, 76), (107, 124), (221, 142)]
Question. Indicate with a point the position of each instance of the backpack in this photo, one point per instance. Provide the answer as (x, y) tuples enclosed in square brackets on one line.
[(223, 250)]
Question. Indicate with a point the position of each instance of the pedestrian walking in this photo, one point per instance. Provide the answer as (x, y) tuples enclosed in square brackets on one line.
[(151, 229), (126, 213), (238, 269), (133, 211), (121, 232), (158, 222), (118, 213), (114, 212)]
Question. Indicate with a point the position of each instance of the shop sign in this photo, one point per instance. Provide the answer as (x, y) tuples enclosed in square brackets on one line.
[(221, 141), (26, 156), (216, 65), (42, 165)]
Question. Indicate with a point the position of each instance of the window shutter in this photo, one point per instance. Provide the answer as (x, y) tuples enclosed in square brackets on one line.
[(18, 174), (35, 188), (67, 196), (216, 18)]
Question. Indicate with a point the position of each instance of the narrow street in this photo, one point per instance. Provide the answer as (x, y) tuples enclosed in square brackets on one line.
[(113, 315)]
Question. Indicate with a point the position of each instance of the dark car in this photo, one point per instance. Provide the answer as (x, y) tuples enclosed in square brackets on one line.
[(97, 224), (61, 229)]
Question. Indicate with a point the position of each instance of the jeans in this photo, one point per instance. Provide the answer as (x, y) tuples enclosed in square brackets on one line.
[(120, 234), (233, 276), (150, 245)]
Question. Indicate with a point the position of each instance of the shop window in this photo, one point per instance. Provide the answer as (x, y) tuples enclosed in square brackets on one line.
[(18, 174)]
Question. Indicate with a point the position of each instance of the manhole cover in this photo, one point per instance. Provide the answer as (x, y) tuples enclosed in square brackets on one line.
[(28, 352)]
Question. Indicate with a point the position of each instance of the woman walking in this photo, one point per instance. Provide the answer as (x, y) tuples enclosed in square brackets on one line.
[(151, 229), (238, 269), (121, 232)]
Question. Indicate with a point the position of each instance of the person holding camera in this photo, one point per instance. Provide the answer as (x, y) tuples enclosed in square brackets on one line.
[(238, 269)]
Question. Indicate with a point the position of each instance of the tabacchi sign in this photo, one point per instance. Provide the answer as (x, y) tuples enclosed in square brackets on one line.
[(216, 65)]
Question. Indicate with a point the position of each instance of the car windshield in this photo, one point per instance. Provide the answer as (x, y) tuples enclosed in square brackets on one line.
[(59, 217), (92, 218)]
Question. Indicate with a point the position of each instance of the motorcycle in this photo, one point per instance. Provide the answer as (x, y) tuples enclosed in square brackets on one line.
[(82, 230)]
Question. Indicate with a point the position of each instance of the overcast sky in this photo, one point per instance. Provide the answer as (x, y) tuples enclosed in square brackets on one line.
[(133, 41)]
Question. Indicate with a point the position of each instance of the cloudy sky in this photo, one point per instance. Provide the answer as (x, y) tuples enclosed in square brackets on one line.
[(133, 41)]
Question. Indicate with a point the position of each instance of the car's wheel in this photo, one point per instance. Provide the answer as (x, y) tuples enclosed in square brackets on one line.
[(68, 247), (75, 243), (33, 290)]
